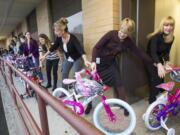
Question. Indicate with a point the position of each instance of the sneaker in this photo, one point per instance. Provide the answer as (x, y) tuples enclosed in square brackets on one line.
[(54, 88), (126, 113), (62, 95), (88, 109)]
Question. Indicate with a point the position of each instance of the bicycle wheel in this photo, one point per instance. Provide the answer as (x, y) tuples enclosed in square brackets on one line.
[(124, 125), (61, 94), (151, 120), (67, 98)]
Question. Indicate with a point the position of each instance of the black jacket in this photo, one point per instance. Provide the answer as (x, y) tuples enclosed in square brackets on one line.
[(75, 49), (158, 50)]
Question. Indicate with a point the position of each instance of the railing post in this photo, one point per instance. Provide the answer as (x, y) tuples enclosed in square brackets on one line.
[(43, 115), (0, 65), (3, 70), (12, 82)]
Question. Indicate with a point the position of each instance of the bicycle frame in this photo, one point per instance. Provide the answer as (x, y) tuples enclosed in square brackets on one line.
[(110, 114), (81, 106), (29, 91), (76, 103), (173, 101)]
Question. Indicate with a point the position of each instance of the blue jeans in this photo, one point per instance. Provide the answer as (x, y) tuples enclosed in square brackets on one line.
[(67, 66), (30, 63)]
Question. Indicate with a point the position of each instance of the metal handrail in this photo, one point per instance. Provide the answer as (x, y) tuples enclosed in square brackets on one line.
[(45, 98)]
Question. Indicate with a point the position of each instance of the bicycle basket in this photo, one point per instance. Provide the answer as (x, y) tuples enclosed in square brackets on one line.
[(92, 87)]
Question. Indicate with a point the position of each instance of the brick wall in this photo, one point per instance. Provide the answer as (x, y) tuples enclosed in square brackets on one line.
[(43, 21), (99, 16)]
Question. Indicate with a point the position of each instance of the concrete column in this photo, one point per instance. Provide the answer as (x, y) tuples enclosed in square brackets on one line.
[(43, 19), (24, 27)]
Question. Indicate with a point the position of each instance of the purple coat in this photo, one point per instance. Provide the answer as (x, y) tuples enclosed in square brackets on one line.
[(34, 49)]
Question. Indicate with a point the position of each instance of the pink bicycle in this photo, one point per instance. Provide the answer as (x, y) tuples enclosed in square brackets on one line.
[(84, 89)]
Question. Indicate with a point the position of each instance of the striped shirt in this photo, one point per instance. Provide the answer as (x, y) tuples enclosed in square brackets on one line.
[(51, 56)]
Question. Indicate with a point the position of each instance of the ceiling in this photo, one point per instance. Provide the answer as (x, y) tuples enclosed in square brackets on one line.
[(12, 12)]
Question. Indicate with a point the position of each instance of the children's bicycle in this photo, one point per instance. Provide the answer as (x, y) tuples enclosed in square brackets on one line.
[(166, 104), (22, 64), (86, 86), (32, 74)]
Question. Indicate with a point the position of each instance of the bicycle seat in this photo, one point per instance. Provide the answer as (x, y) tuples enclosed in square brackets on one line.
[(69, 81), (166, 86)]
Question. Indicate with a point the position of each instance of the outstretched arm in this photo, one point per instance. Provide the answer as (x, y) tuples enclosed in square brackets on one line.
[(100, 44), (139, 52)]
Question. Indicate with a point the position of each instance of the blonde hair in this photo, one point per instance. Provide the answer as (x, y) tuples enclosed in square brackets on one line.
[(169, 20), (61, 24), (127, 26)]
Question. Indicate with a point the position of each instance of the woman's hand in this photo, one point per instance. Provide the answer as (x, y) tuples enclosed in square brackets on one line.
[(87, 63), (161, 70), (60, 55), (41, 65), (168, 66), (42, 58), (93, 66)]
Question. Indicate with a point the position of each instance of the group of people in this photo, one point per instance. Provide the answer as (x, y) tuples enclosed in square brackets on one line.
[(3, 51), (156, 58), (70, 52)]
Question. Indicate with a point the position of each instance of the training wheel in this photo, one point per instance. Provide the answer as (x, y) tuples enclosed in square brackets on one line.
[(171, 131), (143, 116)]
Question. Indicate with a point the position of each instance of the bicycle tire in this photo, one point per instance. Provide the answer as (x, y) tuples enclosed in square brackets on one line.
[(121, 103), (67, 97), (58, 91), (147, 117)]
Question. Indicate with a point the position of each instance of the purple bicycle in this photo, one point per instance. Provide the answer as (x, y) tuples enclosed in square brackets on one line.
[(166, 104)]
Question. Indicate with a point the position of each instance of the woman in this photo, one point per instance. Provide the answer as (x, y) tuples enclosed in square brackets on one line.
[(70, 46), (31, 51), (52, 60), (159, 46), (22, 42), (106, 50), (17, 44), (11, 47)]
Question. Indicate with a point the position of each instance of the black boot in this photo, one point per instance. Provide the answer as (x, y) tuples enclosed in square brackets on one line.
[(48, 86), (88, 108), (54, 87), (126, 113)]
